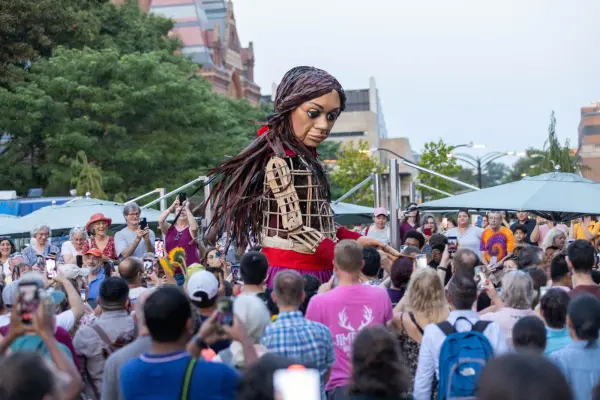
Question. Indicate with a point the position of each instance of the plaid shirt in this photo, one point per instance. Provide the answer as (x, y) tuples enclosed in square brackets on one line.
[(306, 342)]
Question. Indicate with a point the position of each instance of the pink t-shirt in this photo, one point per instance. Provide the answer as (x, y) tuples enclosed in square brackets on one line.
[(506, 318), (544, 229), (346, 310)]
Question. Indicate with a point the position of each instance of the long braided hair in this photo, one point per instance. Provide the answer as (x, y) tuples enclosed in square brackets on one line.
[(238, 191)]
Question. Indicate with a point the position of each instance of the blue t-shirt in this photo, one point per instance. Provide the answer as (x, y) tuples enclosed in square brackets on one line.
[(160, 377)]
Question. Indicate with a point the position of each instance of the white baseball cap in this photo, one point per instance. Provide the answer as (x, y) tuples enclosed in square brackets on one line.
[(202, 286), (72, 271)]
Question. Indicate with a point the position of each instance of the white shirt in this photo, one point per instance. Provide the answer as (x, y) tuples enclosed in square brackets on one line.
[(66, 320), (383, 235), (137, 292), (6, 269), (470, 239), (68, 248), (431, 345), (4, 320)]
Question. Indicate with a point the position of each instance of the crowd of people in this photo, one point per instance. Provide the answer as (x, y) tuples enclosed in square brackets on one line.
[(101, 317)]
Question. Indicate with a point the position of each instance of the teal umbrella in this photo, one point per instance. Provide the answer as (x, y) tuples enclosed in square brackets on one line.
[(557, 196), (352, 214)]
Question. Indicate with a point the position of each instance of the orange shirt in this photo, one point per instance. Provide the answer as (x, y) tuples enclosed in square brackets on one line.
[(497, 244), (593, 227)]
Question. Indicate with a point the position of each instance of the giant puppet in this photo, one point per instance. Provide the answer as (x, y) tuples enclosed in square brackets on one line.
[(275, 192)]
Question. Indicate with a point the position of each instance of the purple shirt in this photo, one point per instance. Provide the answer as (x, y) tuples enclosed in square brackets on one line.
[(183, 239), (346, 310), (405, 227)]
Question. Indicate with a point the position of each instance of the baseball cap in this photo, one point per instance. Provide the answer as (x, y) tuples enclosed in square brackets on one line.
[(380, 211), (195, 267), (202, 286), (72, 271), (94, 252)]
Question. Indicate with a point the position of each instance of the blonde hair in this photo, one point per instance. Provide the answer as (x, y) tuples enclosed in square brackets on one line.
[(426, 295)]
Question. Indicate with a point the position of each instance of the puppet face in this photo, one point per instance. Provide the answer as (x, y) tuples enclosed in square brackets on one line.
[(312, 121)]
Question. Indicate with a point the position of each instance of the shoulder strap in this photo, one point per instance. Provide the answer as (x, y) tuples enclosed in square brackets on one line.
[(367, 230), (187, 379), (446, 328), (102, 334), (481, 325), (414, 320)]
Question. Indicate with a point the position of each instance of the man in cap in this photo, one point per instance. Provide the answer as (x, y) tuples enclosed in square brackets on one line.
[(203, 289), (92, 260), (379, 229)]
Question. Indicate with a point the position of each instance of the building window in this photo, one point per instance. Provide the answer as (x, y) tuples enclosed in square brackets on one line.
[(591, 130)]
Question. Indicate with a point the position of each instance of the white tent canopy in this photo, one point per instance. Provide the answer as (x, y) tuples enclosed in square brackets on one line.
[(65, 216)]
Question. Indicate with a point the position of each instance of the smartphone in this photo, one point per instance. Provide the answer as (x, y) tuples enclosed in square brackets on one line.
[(143, 223), (402, 248), (452, 244), (40, 261), (297, 383), (30, 300), (493, 261), (421, 260), (83, 294), (543, 291), (79, 261), (50, 267), (159, 248), (427, 231), (235, 273), (148, 264), (225, 311), (182, 197)]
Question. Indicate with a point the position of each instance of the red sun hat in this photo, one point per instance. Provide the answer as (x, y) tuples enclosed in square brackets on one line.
[(97, 218)]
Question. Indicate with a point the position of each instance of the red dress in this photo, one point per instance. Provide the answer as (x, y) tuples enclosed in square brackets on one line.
[(109, 251)]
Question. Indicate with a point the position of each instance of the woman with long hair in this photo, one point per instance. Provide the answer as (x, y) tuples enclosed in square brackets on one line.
[(557, 238), (467, 235), (378, 370), (410, 221), (427, 305), (428, 227), (276, 191)]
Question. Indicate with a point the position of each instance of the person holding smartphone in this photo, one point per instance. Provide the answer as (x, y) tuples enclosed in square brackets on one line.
[(429, 227), (183, 232), (136, 238)]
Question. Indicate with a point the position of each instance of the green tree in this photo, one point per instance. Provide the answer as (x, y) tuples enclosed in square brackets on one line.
[(354, 164), (143, 119), (435, 157), (32, 29), (88, 177)]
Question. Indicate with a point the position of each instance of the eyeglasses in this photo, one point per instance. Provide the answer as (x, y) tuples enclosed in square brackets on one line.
[(133, 214)]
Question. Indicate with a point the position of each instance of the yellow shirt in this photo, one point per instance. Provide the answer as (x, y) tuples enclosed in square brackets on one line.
[(593, 227)]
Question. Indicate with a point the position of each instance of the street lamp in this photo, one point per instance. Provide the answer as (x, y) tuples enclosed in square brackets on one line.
[(470, 145), (479, 163)]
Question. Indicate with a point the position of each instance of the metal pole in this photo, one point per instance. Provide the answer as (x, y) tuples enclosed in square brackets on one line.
[(394, 203), (418, 167), (434, 189), (171, 193), (208, 213), (142, 196), (354, 189), (376, 190), (163, 202)]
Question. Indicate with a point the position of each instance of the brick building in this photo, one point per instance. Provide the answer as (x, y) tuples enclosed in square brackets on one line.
[(209, 36), (589, 141)]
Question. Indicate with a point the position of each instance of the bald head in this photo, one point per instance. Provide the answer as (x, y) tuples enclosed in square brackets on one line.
[(289, 288), (131, 269), (464, 262)]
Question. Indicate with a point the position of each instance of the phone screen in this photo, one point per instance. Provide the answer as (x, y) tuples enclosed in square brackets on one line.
[(421, 260), (159, 248), (50, 267), (225, 311), (83, 294), (79, 261), (452, 244), (148, 265), (30, 300), (297, 383), (235, 273)]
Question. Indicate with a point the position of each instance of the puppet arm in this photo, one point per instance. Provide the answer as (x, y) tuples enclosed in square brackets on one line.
[(279, 179)]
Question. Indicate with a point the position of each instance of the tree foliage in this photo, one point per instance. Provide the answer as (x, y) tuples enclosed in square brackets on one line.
[(354, 164), (91, 90), (435, 157), (494, 174), (33, 29)]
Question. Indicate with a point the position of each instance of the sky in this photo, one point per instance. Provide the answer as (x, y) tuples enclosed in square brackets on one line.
[(484, 71)]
